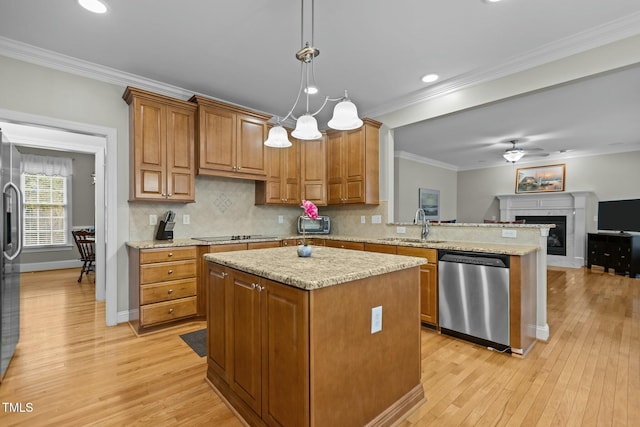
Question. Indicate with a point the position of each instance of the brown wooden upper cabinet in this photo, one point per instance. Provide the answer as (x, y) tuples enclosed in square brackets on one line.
[(162, 147), (313, 170), (230, 140), (282, 186), (295, 173), (353, 165)]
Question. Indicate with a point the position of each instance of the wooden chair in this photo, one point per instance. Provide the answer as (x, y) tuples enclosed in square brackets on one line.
[(85, 241)]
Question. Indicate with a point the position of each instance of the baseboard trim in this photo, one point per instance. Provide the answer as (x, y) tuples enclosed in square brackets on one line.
[(50, 265), (542, 332)]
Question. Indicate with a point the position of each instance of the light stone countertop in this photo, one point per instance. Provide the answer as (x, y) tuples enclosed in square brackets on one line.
[(495, 248), (325, 267)]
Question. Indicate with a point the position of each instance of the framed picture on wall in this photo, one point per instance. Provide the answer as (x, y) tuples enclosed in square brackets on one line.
[(429, 200), (540, 179)]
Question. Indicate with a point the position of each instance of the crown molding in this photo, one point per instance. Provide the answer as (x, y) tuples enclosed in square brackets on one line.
[(610, 32), (425, 160), (46, 58)]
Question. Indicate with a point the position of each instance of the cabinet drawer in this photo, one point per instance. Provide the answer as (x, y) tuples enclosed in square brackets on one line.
[(430, 254), (148, 256), (263, 245), (167, 311), (164, 271), (167, 291), (345, 244), (379, 247)]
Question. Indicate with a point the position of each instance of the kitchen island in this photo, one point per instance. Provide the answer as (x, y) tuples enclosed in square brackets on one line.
[(333, 339)]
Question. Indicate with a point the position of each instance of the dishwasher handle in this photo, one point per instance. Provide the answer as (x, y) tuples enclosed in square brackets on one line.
[(475, 258)]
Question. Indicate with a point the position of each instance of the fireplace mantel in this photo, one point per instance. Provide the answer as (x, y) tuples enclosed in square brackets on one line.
[(576, 206)]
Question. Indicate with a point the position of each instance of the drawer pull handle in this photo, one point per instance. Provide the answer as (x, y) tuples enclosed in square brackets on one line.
[(170, 272), (170, 310), (170, 254), (170, 291)]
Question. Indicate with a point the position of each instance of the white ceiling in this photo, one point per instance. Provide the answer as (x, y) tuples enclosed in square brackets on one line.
[(243, 52)]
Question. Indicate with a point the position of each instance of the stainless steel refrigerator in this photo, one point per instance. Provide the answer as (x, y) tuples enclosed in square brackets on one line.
[(11, 236)]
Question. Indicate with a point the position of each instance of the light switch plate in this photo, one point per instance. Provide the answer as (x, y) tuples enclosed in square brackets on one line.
[(363, 219), (186, 219), (401, 230), (376, 219), (153, 219), (376, 319), (280, 219)]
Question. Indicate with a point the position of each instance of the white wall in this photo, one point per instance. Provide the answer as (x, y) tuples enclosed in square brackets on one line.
[(410, 175), (614, 176)]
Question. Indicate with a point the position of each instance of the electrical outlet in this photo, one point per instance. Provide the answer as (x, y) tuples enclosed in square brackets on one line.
[(512, 234), (401, 230), (280, 219), (376, 319), (186, 219), (376, 219), (153, 219), (363, 219)]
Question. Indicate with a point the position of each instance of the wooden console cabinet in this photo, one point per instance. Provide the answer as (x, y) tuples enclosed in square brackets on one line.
[(618, 251)]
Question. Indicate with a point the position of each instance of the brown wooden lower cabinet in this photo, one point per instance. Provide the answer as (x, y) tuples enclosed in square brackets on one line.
[(258, 331), (344, 244), (162, 286), (282, 356), (428, 282)]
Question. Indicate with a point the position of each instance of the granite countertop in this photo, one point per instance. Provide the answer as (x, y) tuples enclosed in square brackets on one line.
[(496, 248), (325, 267)]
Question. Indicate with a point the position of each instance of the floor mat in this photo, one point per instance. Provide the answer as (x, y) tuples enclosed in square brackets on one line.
[(197, 341)]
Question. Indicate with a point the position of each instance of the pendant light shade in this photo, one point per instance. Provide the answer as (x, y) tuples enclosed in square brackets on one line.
[(277, 138), (306, 128), (345, 116)]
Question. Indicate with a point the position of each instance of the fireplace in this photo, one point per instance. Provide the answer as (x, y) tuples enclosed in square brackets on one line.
[(557, 239)]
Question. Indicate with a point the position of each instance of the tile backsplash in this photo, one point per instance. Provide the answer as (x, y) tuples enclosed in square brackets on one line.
[(225, 206)]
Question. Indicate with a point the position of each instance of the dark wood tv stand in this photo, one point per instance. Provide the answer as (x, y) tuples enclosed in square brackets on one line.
[(619, 251)]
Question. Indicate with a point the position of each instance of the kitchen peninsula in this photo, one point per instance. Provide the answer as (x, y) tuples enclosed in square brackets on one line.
[(332, 339)]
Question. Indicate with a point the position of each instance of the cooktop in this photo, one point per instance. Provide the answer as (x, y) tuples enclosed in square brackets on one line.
[(234, 237)]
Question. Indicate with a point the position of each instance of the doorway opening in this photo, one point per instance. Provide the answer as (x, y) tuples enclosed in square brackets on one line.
[(61, 135)]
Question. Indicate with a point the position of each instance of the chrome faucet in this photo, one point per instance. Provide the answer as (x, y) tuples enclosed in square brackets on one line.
[(420, 213)]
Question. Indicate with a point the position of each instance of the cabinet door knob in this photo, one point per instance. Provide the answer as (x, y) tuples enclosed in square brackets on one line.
[(169, 194), (170, 272), (253, 286), (170, 310), (170, 254), (224, 274), (170, 291)]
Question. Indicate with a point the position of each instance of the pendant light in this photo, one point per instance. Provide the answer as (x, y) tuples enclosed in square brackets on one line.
[(345, 113)]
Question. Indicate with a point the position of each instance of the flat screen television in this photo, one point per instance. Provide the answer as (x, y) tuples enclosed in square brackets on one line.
[(619, 215)]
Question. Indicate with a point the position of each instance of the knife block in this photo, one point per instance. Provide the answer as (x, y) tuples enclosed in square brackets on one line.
[(165, 230)]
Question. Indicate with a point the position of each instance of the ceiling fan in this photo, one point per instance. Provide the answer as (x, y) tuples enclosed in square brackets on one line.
[(514, 153)]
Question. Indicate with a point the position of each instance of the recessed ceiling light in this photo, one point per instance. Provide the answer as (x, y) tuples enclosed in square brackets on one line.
[(311, 90), (95, 6), (430, 78), (491, 1)]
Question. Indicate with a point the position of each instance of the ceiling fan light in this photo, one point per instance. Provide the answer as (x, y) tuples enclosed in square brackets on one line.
[(95, 6), (277, 138), (345, 116), (513, 155), (306, 128)]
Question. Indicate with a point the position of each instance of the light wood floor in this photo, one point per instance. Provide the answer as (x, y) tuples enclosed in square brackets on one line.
[(74, 371)]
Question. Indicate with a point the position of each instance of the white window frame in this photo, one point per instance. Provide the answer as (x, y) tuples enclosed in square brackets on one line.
[(69, 244)]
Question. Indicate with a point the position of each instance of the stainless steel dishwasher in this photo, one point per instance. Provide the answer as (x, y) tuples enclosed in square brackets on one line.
[(473, 297)]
